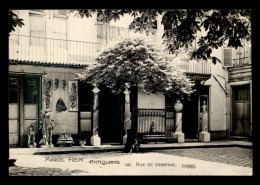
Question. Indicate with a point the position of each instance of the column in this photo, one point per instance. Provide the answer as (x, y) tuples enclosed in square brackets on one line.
[(127, 115), (178, 134), (204, 135), (95, 139)]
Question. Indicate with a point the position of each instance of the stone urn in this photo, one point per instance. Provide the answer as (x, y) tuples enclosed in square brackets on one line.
[(178, 106)]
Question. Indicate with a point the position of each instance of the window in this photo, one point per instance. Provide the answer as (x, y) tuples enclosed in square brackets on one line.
[(37, 10), (102, 34), (60, 12), (241, 93), (235, 57), (60, 30), (242, 55), (85, 97), (31, 90), (107, 33), (60, 27), (37, 29), (13, 90)]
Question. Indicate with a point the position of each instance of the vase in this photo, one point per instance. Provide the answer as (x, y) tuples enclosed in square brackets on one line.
[(178, 106)]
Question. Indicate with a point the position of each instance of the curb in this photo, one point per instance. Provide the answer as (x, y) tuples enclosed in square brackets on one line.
[(143, 148)]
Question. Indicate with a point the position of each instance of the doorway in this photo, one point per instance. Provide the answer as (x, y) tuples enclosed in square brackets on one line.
[(24, 107), (241, 111), (190, 117), (111, 111), (85, 96), (192, 112)]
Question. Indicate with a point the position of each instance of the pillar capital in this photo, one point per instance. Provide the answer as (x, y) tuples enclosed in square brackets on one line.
[(95, 90)]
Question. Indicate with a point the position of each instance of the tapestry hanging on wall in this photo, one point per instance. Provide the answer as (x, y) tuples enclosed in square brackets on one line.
[(47, 94), (73, 95)]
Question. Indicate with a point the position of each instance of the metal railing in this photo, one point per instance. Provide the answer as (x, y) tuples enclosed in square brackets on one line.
[(195, 67), (53, 51), (58, 51), (147, 117)]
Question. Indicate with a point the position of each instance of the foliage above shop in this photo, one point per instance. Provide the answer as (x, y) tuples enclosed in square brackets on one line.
[(141, 64), (218, 27), (13, 21)]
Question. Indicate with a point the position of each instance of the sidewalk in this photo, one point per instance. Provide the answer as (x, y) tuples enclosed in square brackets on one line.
[(107, 148)]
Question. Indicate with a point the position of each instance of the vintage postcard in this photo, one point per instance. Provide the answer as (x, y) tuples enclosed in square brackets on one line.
[(112, 92)]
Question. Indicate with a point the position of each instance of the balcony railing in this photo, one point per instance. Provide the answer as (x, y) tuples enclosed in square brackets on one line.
[(68, 52), (51, 51), (194, 67)]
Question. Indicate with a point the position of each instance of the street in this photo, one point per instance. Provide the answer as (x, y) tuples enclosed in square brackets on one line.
[(190, 161)]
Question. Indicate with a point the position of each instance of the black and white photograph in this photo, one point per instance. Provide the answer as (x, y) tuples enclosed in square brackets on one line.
[(130, 92)]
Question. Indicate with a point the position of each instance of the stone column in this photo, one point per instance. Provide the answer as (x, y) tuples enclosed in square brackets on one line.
[(204, 136), (127, 115), (95, 139), (178, 134)]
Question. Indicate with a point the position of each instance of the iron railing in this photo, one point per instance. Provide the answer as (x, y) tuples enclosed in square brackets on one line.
[(58, 51), (194, 67), (49, 50), (147, 117)]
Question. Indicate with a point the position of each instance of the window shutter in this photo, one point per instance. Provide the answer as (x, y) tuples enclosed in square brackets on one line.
[(228, 61)]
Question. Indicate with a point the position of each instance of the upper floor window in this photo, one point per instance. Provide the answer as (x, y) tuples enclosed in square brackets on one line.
[(106, 33), (236, 57), (241, 55), (60, 12), (37, 10), (37, 28), (60, 28)]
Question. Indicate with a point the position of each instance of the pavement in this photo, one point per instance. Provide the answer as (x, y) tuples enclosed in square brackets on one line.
[(144, 147), (226, 158)]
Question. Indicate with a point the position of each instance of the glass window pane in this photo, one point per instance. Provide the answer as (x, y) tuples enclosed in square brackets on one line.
[(31, 90), (13, 90)]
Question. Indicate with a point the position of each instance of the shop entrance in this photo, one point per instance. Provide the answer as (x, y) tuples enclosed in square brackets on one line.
[(192, 112), (111, 111), (24, 107), (190, 118)]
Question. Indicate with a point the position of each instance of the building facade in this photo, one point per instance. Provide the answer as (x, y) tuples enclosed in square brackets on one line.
[(54, 45)]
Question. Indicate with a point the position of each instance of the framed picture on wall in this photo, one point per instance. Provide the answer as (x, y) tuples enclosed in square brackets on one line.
[(73, 95)]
